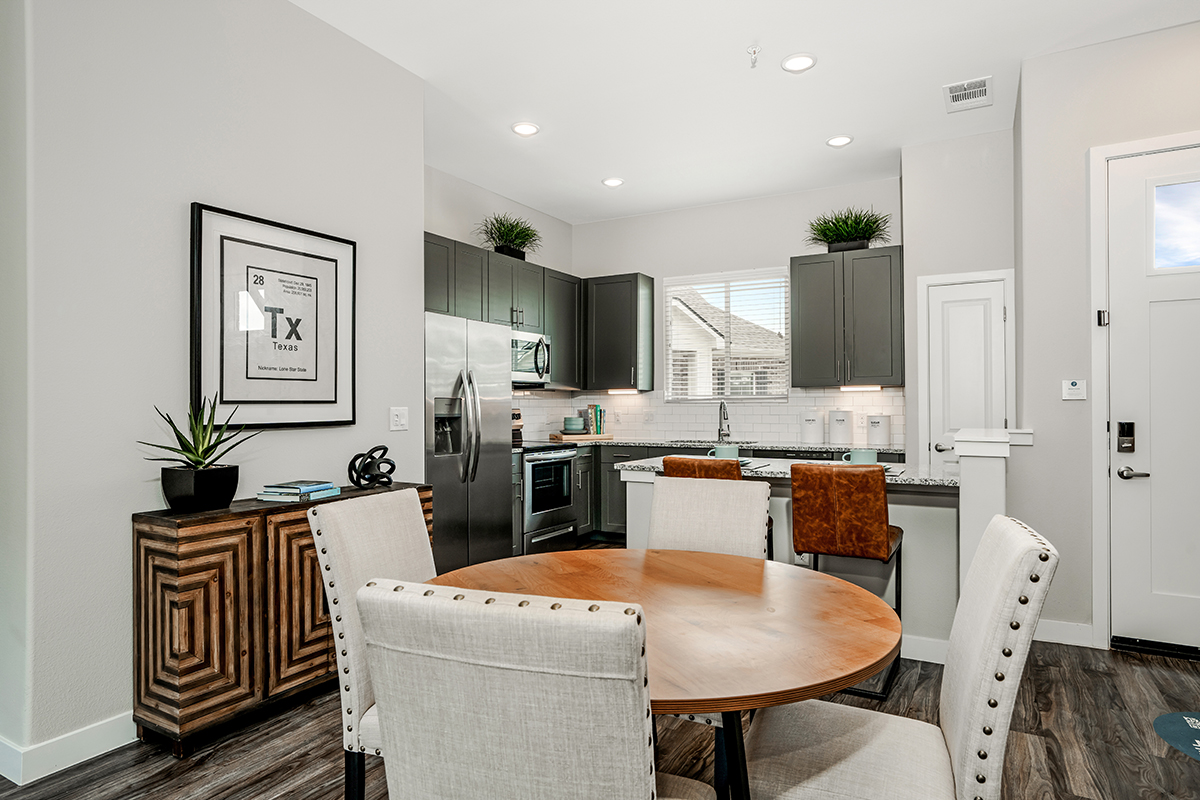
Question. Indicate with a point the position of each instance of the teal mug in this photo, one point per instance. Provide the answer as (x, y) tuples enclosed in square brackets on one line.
[(724, 451), (861, 456)]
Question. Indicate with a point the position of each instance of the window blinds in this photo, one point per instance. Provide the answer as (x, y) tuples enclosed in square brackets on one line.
[(728, 336)]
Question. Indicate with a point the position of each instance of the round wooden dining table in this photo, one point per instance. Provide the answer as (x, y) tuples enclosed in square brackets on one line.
[(723, 633)]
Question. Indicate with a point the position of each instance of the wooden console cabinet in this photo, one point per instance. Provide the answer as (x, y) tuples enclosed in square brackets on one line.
[(229, 612)]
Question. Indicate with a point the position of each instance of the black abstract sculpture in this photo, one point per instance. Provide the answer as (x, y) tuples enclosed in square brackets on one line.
[(370, 469)]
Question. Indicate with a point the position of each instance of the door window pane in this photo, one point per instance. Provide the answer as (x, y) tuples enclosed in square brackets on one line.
[(1177, 225)]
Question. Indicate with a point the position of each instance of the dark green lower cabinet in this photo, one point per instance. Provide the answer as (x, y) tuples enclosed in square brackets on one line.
[(585, 491), (612, 488)]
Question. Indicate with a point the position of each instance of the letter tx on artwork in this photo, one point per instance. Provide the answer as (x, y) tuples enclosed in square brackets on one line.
[(272, 320)]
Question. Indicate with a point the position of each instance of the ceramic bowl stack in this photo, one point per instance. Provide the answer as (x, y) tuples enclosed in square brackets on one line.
[(572, 425)]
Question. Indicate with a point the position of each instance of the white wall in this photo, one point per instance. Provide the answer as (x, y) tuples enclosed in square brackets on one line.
[(13, 383), (1119, 91), (453, 207), (958, 217), (139, 108)]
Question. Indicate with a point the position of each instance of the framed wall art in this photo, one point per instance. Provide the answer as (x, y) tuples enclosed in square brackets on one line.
[(272, 321)]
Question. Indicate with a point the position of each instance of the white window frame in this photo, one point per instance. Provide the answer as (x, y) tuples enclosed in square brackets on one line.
[(733, 278)]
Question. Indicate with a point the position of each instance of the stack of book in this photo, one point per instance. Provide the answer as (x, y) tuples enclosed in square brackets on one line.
[(298, 491), (595, 419)]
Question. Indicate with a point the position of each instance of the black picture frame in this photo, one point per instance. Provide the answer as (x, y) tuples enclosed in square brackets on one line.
[(272, 321)]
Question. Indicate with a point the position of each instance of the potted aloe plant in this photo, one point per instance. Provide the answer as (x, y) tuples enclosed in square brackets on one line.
[(200, 484), (509, 235), (849, 229)]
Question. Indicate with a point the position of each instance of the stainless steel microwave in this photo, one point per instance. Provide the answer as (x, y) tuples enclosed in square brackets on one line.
[(531, 359)]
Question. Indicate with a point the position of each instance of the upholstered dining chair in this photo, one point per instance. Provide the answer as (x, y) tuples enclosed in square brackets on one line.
[(710, 515), (719, 468), (817, 749), (494, 696), (841, 510), (358, 539)]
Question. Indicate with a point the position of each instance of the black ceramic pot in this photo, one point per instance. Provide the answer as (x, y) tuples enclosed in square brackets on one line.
[(840, 246), (505, 250), (188, 490)]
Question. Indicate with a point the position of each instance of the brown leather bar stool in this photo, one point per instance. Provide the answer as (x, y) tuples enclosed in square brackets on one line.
[(841, 510), (719, 468)]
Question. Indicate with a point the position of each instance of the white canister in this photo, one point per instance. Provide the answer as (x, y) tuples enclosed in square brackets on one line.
[(812, 427), (841, 426), (879, 430)]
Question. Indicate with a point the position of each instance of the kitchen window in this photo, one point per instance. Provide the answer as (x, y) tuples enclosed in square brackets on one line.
[(728, 336)]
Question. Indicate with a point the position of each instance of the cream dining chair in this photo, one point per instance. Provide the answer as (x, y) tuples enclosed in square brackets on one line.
[(830, 751), (494, 696), (710, 515), (358, 539)]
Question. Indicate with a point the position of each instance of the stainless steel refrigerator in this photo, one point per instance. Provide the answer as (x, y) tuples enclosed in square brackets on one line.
[(468, 439)]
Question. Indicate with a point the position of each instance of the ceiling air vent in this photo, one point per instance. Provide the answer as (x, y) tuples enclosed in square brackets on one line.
[(968, 94)]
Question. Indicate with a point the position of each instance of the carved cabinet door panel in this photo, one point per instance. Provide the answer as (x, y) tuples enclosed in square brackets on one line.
[(298, 629)]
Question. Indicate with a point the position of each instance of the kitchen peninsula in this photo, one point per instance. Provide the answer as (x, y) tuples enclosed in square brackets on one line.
[(924, 503)]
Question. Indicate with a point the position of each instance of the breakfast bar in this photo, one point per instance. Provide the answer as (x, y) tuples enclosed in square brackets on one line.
[(925, 503)]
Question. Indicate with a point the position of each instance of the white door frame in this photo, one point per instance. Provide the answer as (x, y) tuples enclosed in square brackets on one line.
[(924, 283), (1097, 191)]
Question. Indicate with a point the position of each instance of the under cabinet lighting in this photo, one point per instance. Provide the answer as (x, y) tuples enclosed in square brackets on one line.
[(798, 62), (841, 140), (612, 182), (525, 129), (862, 388), (622, 391)]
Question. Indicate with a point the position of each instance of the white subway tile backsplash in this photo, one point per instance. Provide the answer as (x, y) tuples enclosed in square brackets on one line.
[(543, 413)]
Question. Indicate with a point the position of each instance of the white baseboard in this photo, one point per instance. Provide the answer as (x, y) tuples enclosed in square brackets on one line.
[(921, 648), (23, 765), (1053, 630)]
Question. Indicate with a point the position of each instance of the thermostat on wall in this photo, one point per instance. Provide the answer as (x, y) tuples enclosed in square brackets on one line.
[(1074, 390)]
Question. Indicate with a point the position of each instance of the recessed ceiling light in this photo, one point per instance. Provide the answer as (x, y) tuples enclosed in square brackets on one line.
[(798, 62), (525, 129), (612, 181), (841, 140)]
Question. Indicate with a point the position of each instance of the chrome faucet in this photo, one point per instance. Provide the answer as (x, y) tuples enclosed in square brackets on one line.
[(723, 424)]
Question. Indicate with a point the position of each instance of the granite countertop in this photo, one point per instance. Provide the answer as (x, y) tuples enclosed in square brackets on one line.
[(898, 474), (748, 444)]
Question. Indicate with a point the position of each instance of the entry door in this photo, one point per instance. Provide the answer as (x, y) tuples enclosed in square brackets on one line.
[(1154, 383), (965, 359)]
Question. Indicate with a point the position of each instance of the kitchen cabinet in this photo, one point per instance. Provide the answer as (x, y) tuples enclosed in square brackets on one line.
[(563, 295), (585, 490), (455, 277), (619, 332), (612, 488), (514, 292), (848, 318)]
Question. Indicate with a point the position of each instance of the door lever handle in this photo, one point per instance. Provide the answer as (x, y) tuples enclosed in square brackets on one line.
[(1125, 473), (941, 448)]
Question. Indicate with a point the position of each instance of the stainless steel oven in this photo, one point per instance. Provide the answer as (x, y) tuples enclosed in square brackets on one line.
[(549, 502)]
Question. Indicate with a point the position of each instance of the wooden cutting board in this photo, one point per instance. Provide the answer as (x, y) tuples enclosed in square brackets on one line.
[(581, 437)]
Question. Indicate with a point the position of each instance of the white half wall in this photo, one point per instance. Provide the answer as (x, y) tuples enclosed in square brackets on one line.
[(1119, 91), (453, 207), (137, 109), (958, 217)]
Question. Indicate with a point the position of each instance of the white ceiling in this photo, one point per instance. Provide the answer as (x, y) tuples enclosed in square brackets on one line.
[(661, 93)]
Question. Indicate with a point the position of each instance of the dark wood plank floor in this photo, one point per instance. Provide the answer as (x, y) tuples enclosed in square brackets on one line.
[(1082, 729)]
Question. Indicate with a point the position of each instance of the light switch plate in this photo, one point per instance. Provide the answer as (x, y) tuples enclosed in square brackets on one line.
[(1074, 390), (398, 418)]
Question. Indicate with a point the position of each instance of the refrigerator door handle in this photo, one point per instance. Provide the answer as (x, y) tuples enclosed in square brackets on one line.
[(464, 459), (477, 417)]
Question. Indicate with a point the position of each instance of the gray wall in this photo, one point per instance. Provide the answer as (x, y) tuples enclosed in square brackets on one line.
[(747, 234), (453, 207), (1119, 91), (140, 107), (13, 378), (958, 217)]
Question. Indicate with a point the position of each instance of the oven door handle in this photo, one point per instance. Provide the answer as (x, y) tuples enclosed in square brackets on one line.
[(477, 415), (557, 455)]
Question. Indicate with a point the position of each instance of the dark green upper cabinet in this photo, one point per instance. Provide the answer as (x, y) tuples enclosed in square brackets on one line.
[(563, 326), (620, 332), (455, 277), (848, 318), (515, 294)]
